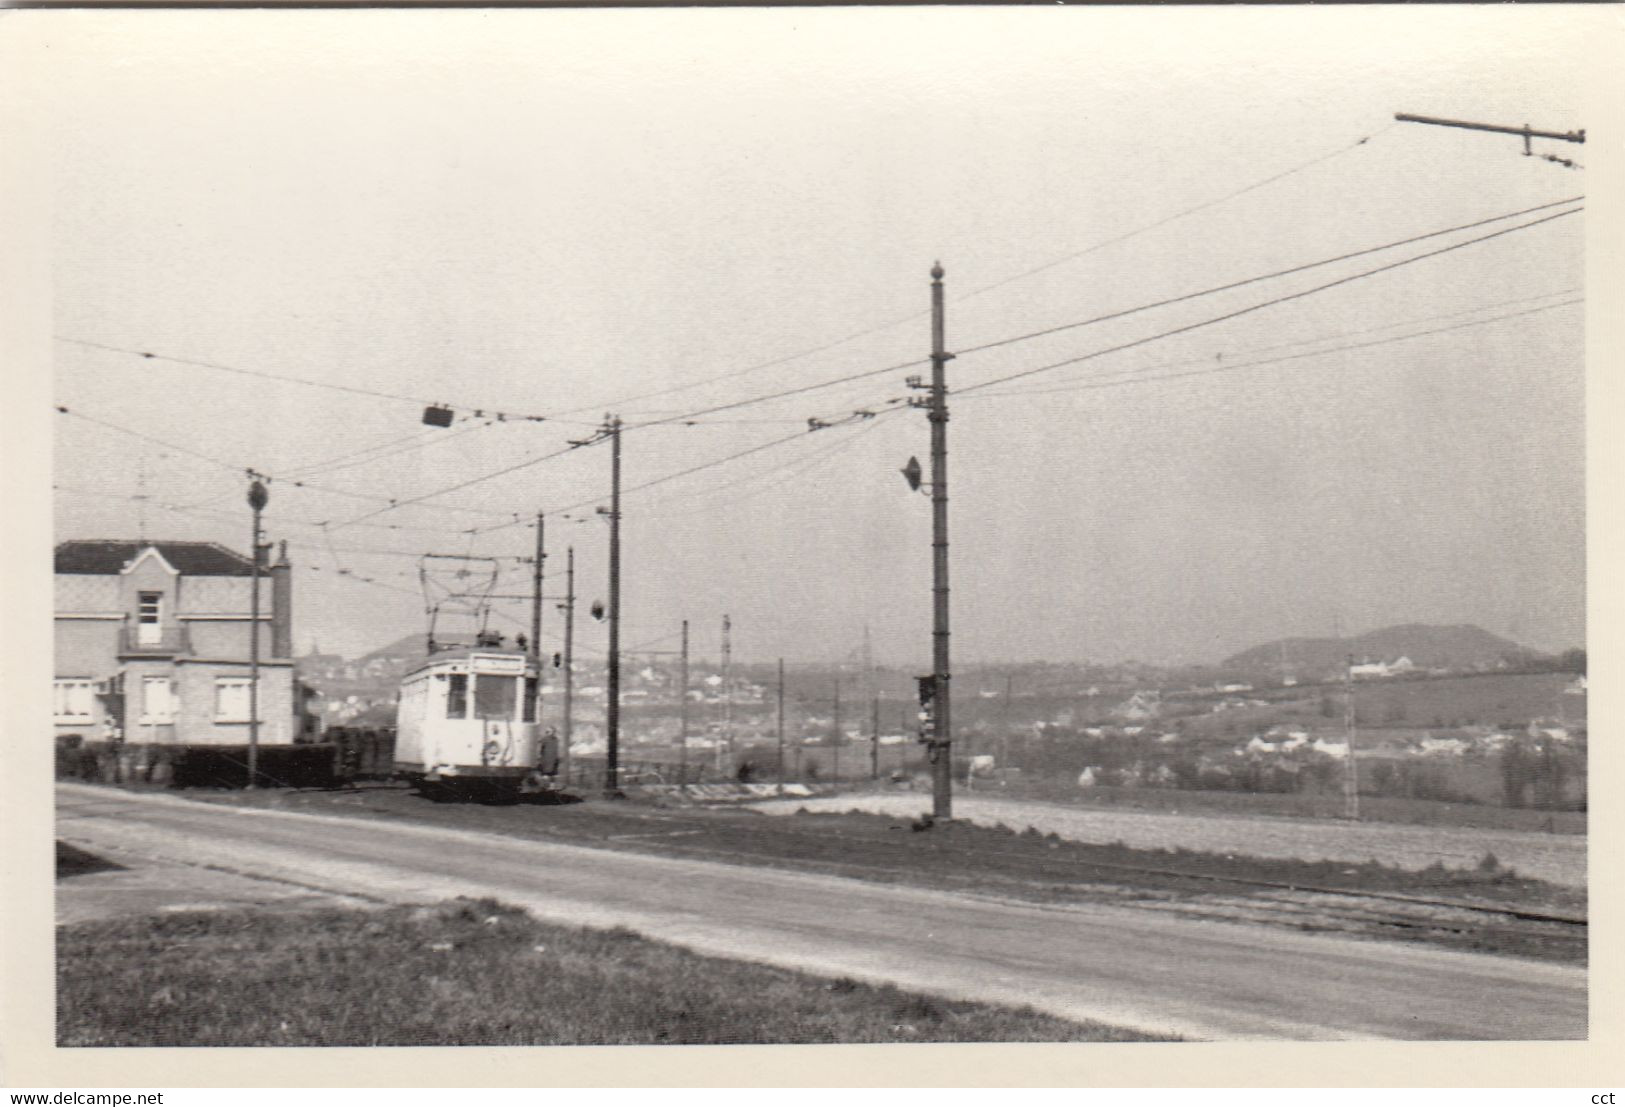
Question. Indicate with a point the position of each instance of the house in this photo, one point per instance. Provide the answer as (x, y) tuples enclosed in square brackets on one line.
[(152, 645), (1141, 705)]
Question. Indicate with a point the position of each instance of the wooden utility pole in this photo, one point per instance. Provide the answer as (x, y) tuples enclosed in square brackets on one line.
[(874, 737), (942, 781), (536, 618), (835, 736), (781, 726), (569, 661), (1351, 777), (727, 742), (682, 714), (1004, 742), (612, 709)]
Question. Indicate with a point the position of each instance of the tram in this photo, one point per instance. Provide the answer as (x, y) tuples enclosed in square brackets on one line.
[(466, 722)]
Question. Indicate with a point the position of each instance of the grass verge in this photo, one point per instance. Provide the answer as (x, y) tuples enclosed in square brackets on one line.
[(471, 972)]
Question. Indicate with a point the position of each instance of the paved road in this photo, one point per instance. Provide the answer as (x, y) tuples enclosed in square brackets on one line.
[(1559, 858), (1131, 968)]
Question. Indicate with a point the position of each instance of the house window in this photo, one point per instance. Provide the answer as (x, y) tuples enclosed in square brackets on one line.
[(494, 696), (231, 700), (158, 700), (457, 696), (149, 613), (73, 701)]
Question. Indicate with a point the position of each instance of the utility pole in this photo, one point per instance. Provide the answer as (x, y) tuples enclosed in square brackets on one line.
[(874, 736), (1004, 741), (257, 499), (781, 726), (612, 711), (682, 715), (727, 743), (536, 619), (569, 660), (1525, 131), (942, 781), (835, 771), (1351, 778)]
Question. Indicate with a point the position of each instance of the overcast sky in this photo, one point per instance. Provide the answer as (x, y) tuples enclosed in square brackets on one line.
[(568, 213)]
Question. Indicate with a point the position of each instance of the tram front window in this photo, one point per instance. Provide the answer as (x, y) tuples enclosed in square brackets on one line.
[(495, 697), (457, 696)]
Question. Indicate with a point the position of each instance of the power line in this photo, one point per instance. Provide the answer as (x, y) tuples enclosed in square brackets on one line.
[(1340, 151), (469, 483), (1267, 303), (802, 389), (1262, 277), (790, 470), (865, 332), (1091, 385), (1068, 385), (270, 477), (501, 416)]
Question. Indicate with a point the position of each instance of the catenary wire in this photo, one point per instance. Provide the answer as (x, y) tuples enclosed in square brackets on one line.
[(1287, 298)]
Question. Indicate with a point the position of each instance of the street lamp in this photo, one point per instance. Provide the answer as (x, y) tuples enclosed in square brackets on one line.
[(257, 498)]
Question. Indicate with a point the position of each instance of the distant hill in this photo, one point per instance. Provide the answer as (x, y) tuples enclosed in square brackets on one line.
[(1428, 647)]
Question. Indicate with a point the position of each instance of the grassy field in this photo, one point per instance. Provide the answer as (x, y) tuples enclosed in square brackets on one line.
[(470, 973)]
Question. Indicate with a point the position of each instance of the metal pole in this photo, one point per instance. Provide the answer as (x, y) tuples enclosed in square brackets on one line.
[(257, 497), (682, 715), (612, 712), (874, 741), (1004, 740), (835, 770), (727, 743), (536, 622), (781, 726), (942, 740), (1351, 778), (569, 660), (1525, 130)]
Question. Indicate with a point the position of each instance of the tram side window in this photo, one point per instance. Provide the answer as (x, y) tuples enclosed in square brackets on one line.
[(529, 706), (457, 696), (494, 696)]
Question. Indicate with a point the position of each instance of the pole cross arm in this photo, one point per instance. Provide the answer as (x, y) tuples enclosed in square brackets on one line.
[(1525, 131)]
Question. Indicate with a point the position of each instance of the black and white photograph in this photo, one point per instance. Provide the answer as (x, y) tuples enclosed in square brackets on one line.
[(789, 526)]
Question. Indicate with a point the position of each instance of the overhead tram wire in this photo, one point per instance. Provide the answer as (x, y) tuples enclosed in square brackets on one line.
[(1133, 377), (418, 500), (1260, 306), (501, 416), (1163, 222), (233, 467), (392, 504), (1067, 385), (803, 389), (1260, 277), (625, 401), (785, 473)]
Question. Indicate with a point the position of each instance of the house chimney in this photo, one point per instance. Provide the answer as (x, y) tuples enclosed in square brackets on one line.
[(282, 604)]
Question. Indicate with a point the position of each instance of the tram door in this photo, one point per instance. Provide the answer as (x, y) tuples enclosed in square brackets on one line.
[(496, 706)]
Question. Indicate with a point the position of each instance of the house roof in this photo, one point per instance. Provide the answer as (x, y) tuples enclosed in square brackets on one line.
[(109, 557)]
